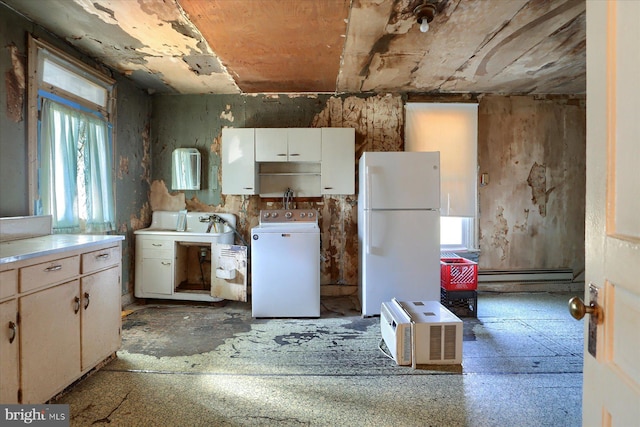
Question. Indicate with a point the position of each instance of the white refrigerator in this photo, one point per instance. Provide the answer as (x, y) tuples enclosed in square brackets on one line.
[(398, 228)]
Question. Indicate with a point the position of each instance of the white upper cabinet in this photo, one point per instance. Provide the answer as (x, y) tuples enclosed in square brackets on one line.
[(238, 162), (337, 172), (304, 144), (288, 145), (267, 161)]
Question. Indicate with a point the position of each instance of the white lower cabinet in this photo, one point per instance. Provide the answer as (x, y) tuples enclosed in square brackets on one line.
[(157, 275), (50, 341), (154, 267), (64, 320), (101, 316), (9, 349)]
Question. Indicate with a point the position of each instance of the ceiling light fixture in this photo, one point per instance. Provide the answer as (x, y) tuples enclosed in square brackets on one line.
[(425, 12)]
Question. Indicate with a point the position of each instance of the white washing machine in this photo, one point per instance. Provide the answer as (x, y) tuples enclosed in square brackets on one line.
[(285, 264)]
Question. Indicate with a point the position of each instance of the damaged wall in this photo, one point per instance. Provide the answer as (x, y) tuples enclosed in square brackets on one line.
[(532, 149), (532, 210), (196, 122), (132, 144), (531, 213)]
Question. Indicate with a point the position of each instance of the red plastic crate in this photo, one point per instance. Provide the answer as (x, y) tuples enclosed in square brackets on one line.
[(458, 274)]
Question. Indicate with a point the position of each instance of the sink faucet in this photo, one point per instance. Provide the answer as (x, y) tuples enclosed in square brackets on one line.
[(286, 198), (211, 219)]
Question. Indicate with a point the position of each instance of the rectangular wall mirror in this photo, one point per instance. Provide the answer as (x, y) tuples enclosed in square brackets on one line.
[(185, 169)]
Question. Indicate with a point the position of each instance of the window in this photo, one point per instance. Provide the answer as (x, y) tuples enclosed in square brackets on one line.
[(451, 129), (456, 233), (73, 153)]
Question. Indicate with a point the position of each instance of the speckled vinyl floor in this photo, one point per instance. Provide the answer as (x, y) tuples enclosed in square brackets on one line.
[(192, 365)]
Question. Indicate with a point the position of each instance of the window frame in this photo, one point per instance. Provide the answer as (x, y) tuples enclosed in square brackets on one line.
[(467, 229), (37, 46)]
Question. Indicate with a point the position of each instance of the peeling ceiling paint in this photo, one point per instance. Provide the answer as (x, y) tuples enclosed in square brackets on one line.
[(293, 46)]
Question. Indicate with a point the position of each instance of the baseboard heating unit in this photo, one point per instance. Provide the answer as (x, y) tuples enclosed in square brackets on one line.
[(557, 275), (421, 333)]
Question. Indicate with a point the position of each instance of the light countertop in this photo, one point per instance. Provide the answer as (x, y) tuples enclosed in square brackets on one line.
[(18, 250)]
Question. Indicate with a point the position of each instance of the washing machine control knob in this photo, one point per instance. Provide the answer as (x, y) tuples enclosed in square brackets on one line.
[(267, 214), (310, 214), (275, 214), (288, 215), (302, 214)]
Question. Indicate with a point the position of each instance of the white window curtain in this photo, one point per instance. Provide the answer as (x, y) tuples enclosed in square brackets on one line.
[(451, 129), (76, 170)]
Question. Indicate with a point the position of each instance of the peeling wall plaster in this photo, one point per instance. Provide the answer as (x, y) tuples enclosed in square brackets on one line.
[(131, 142), (15, 84), (537, 180), (514, 134), (378, 123)]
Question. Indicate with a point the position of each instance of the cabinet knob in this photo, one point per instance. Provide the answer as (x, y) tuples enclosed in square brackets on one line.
[(86, 300)]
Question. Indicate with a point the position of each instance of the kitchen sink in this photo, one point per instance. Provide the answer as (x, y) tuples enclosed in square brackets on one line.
[(166, 223)]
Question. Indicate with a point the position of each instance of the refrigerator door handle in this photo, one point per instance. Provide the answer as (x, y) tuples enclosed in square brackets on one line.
[(368, 233), (367, 189), (367, 212)]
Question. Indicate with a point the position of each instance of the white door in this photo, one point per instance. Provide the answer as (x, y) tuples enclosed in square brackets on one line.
[(9, 342), (400, 180), (271, 144), (229, 272), (101, 318), (401, 257), (304, 144), (611, 395)]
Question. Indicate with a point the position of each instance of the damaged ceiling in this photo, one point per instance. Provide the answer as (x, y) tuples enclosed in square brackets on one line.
[(328, 46)]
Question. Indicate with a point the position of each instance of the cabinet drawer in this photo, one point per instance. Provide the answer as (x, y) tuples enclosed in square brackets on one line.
[(157, 244), (96, 260), (8, 283), (39, 275)]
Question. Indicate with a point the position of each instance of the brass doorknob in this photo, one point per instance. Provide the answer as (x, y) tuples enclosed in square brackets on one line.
[(578, 309)]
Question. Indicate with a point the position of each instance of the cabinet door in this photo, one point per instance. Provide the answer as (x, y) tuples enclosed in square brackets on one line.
[(238, 162), (9, 349), (157, 276), (304, 144), (49, 319), (101, 317), (271, 144), (338, 161)]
